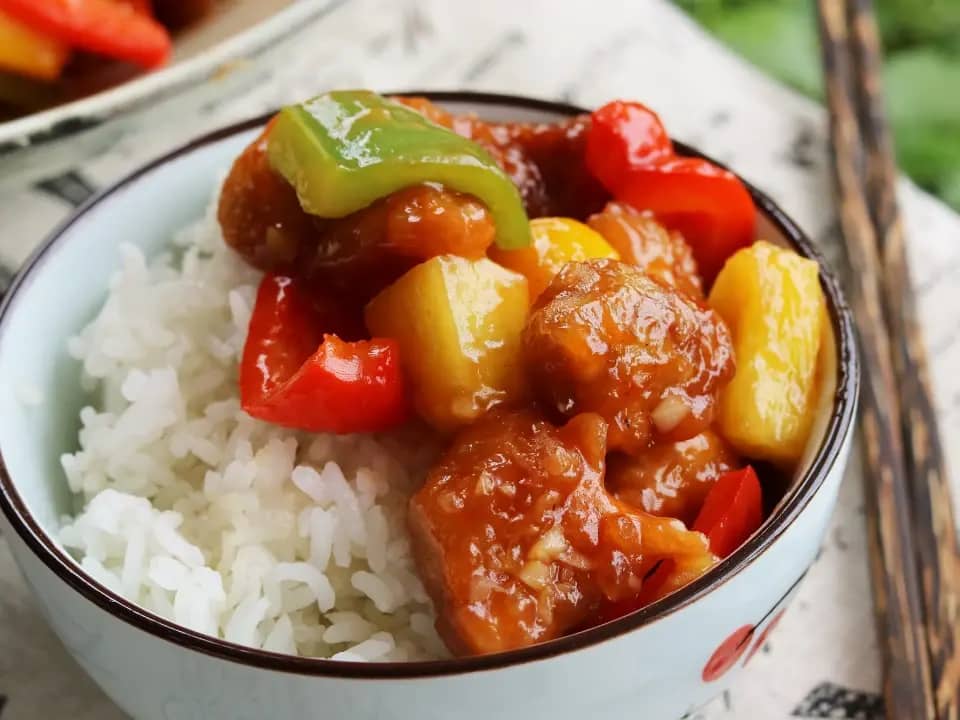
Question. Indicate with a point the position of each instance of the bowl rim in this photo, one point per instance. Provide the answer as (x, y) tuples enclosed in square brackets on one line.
[(838, 428), (87, 113)]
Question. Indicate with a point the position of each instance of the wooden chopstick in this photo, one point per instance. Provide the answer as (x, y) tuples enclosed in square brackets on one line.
[(908, 692), (914, 561), (931, 504)]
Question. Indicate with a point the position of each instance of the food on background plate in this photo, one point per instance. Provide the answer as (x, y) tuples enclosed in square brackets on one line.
[(424, 384), (52, 51)]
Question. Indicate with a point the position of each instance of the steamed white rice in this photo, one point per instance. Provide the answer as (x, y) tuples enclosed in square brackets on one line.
[(276, 539)]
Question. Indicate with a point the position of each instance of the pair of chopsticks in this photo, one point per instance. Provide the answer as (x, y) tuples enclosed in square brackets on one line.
[(915, 565)]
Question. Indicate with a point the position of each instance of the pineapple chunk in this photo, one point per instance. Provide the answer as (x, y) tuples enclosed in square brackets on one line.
[(458, 323), (772, 302), (556, 241)]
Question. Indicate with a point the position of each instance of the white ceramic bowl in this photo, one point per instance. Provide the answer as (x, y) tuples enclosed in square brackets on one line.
[(211, 60), (657, 663)]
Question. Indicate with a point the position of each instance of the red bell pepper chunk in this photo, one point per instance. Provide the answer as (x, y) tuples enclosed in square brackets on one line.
[(294, 373), (104, 27), (630, 153), (623, 135), (708, 205), (732, 511)]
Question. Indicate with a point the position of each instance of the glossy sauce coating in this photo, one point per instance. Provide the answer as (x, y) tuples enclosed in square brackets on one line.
[(518, 542), (605, 338), (773, 301), (525, 531), (260, 215), (672, 479), (357, 255), (459, 324), (558, 150), (511, 157), (642, 241), (546, 161), (364, 252)]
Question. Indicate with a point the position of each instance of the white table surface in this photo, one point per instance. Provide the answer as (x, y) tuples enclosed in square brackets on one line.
[(822, 660)]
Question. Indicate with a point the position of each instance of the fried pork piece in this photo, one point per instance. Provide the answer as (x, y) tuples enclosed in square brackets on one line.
[(517, 541), (364, 252), (546, 161), (559, 151), (511, 157), (357, 255), (259, 213), (642, 241), (672, 479), (605, 338), (360, 254)]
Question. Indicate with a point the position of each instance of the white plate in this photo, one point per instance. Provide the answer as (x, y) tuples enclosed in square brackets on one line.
[(210, 61)]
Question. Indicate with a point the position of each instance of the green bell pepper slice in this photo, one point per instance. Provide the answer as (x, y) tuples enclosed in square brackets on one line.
[(345, 149)]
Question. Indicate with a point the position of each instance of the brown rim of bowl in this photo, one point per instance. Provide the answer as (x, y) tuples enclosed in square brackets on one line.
[(839, 425)]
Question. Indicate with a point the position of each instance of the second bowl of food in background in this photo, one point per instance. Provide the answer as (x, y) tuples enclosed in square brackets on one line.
[(72, 83)]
